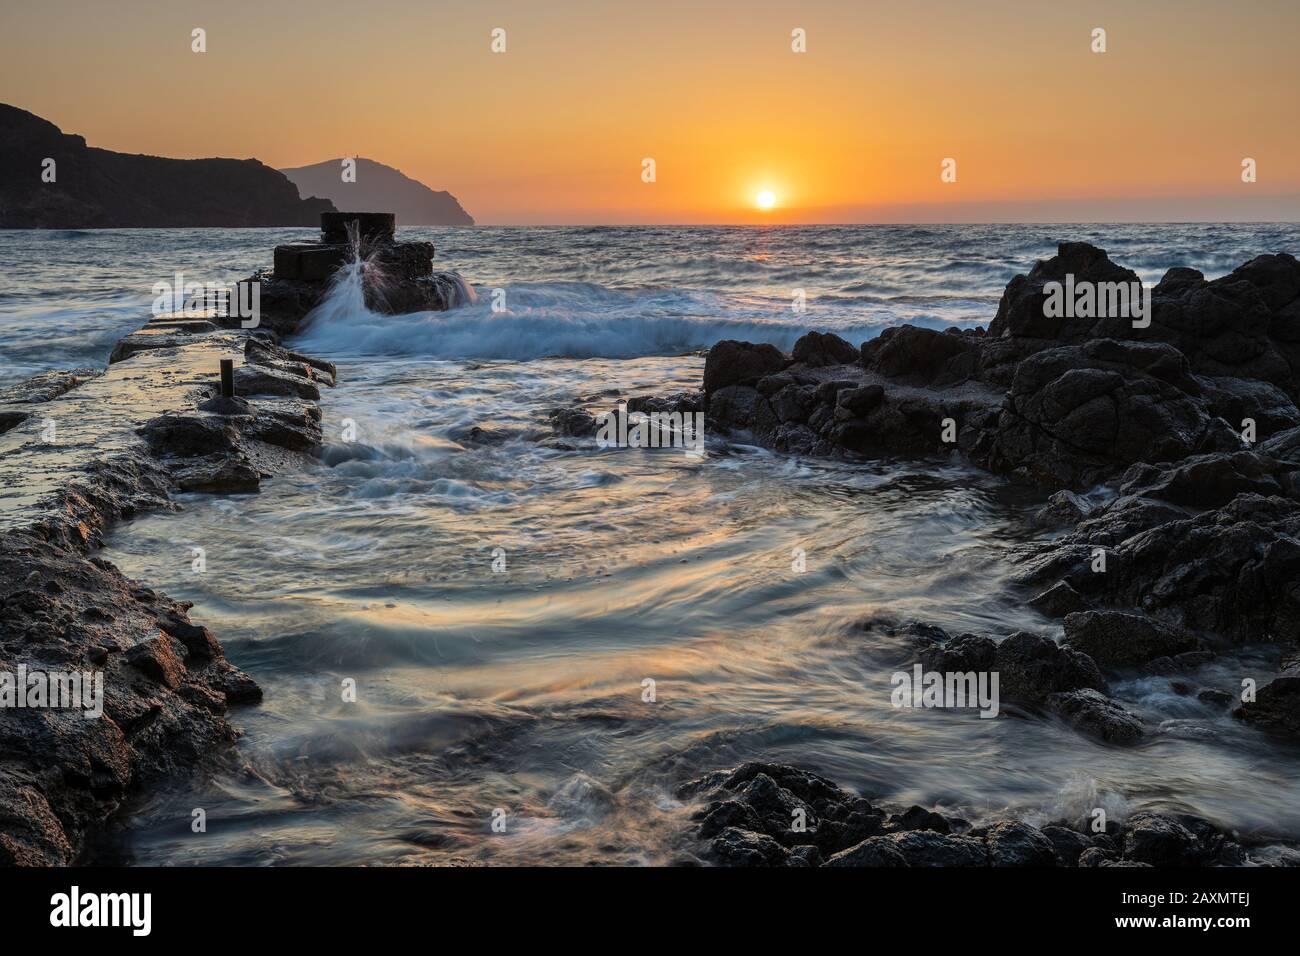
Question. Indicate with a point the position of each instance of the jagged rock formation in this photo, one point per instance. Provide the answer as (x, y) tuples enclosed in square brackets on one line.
[(380, 187), (97, 188), (126, 438), (761, 814), (1188, 418), (397, 277)]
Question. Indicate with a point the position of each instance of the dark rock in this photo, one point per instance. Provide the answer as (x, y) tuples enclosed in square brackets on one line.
[(1093, 713), (1033, 667), (916, 818), (1210, 481), (919, 356), (1159, 840), (1068, 844), (1022, 312), (804, 855), (1018, 844), (187, 435), (157, 659), (1064, 509), (961, 654), (1077, 415), (874, 851), (736, 363), (573, 422), (1058, 601), (859, 401), (1233, 571), (1120, 639), (816, 349), (927, 848), (1096, 856), (735, 847), (1276, 707), (262, 380)]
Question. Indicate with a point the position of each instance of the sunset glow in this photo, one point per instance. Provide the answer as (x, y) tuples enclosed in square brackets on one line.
[(555, 128), (765, 200)]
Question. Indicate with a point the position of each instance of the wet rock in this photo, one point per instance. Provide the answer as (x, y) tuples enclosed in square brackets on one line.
[(735, 847), (736, 363), (1029, 667), (573, 422), (1077, 415), (682, 403), (816, 349), (217, 474), (966, 652), (1033, 667), (187, 435), (1058, 601), (157, 659), (1095, 714), (1119, 639), (1212, 481), (927, 848), (917, 818), (1276, 707), (19, 400), (62, 776), (1064, 509), (1096, 856), (263, 380), (1159, 840), (1022, 313), (1209, 695), (874, 851), (924, 357), (262, 351), (582, 798), (1018, 844), (741, 407), (286, 423), (1069, 844), (1237, 399)]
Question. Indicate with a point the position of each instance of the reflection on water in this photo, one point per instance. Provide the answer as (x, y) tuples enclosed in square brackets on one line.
[(523, 690)]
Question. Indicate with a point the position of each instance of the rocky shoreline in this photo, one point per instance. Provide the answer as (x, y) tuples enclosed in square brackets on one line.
[(1184, 425), (775, 815), (85, 448), (1171, 449)]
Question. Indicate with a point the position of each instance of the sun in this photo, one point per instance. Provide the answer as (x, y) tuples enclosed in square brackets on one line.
[(765, 200)]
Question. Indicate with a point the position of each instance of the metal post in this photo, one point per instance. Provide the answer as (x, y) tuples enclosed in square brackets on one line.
[(227, 378)]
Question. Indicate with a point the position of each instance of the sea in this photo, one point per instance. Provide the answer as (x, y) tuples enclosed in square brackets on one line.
[(481, 647)]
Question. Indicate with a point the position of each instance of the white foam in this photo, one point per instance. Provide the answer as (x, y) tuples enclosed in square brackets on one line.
[(575, 320)]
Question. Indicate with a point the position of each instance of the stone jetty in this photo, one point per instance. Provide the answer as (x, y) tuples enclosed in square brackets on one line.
[(82, 449)]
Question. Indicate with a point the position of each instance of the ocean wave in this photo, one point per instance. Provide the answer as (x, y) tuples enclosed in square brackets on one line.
[(577, 320)]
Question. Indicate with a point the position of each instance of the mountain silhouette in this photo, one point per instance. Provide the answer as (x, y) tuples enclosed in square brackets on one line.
[(89, 188), (383, 188)]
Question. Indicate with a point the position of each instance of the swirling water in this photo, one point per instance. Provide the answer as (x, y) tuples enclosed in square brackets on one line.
[(523, 690)]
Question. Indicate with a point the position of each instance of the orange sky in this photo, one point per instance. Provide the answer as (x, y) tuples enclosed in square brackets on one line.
[(555, 129)]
